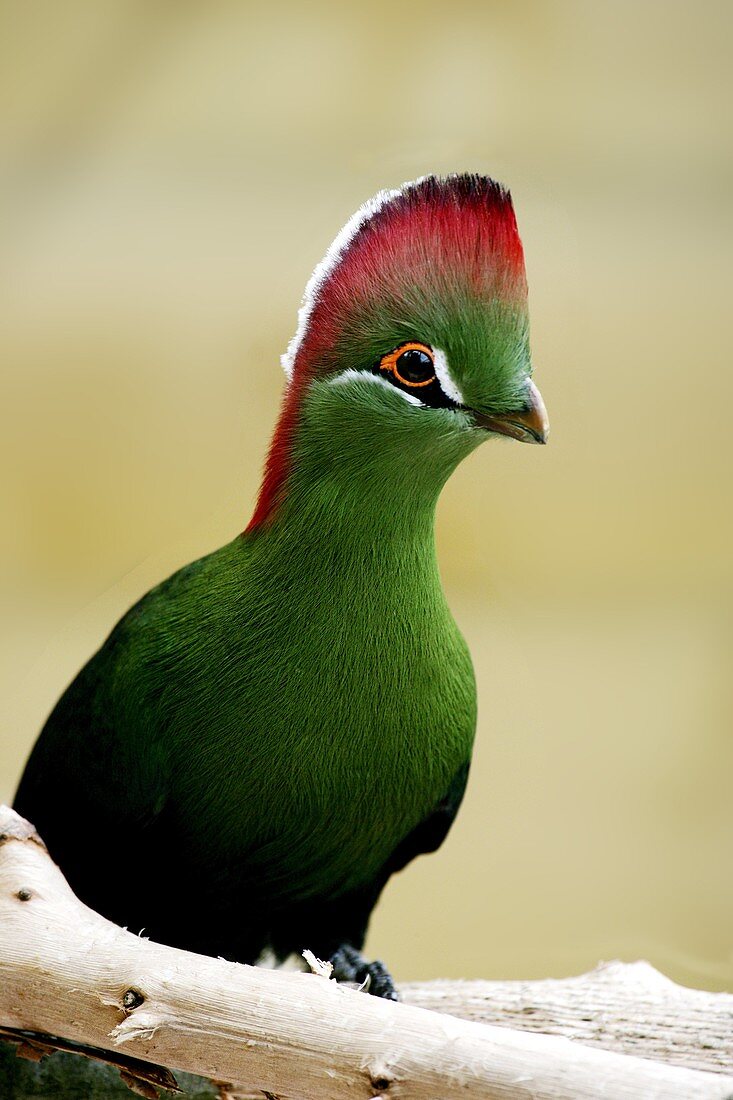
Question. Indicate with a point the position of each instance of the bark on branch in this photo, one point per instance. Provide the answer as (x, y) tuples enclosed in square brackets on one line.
[(66, 971)]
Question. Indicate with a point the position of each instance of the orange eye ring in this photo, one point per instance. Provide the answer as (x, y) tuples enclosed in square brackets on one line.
[(389, 363)]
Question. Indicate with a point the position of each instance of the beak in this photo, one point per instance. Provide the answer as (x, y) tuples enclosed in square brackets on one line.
[(528, 425)]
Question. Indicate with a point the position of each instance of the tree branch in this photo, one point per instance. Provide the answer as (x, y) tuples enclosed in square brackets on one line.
[(627, 1007), (66, 971)]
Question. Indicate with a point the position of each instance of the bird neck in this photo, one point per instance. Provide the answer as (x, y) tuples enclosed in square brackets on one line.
[(356, 478)]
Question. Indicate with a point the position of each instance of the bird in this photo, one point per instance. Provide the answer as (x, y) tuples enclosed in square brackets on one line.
[(271, 733)]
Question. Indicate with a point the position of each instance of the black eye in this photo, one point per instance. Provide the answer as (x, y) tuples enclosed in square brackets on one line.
[(414, 367), (411, 364)]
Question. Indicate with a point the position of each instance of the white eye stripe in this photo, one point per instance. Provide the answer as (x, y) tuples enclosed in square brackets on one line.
[(442, 373), (367, 376)]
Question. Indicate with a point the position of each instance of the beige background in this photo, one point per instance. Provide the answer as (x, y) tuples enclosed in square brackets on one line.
[(170, 174)]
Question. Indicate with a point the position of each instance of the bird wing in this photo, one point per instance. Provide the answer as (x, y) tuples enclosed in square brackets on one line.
[(430, 833), (100, 826)]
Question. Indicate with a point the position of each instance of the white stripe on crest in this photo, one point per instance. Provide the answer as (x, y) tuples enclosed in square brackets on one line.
[(322, 270)]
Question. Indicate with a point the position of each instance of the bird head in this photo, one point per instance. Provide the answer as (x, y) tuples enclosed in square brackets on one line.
[(413, 335)]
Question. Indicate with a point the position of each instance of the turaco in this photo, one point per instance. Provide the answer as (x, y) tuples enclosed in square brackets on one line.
[(277, 728)]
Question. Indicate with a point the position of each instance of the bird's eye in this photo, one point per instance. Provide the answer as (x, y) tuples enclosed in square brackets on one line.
[(411, 364)]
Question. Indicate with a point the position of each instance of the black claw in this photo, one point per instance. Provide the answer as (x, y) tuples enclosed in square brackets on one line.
[(349, 965), (381, 984)]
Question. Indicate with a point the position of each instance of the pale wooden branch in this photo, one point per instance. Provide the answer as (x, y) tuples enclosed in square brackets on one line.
[(66, 971), (627, 1007)]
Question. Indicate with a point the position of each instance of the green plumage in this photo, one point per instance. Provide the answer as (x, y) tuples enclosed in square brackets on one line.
[(273, 723)]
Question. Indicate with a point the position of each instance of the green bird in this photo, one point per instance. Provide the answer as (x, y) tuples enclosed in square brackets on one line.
[(277, 728)]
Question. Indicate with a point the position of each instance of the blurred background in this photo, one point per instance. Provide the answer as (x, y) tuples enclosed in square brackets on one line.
[(170, 173)]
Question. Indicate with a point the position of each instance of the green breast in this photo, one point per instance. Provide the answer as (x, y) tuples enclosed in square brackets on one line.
[(310, 727)]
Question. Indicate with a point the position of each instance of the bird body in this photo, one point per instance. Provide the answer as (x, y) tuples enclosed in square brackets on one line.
[(286, 722)]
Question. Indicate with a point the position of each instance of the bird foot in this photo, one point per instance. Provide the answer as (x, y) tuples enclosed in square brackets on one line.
[(349, 965)]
